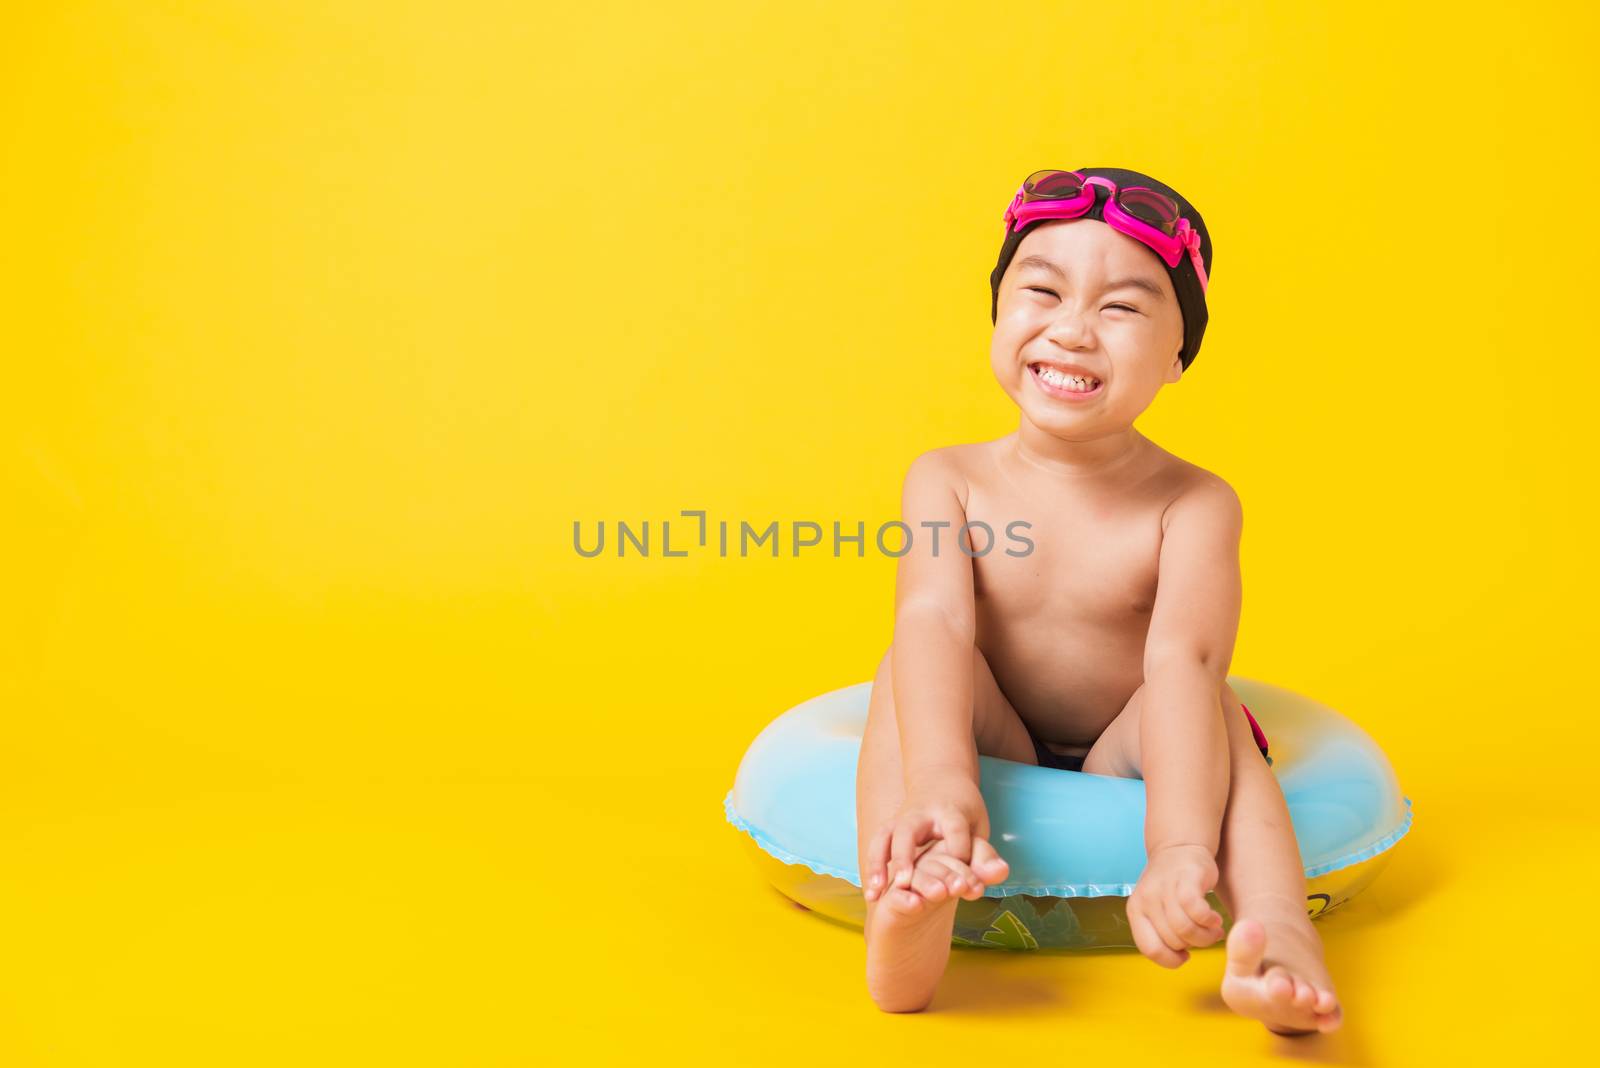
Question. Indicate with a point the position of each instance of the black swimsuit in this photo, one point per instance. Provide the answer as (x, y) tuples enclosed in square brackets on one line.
[(1049, 758)]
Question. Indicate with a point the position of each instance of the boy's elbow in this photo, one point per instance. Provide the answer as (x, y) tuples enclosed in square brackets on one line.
[(1185, 660), (935, 617)]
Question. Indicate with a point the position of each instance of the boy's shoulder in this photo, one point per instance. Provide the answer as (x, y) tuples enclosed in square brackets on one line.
[(1185, 474), (952, 465), (1194, 489), (938, 469), (950, 458)]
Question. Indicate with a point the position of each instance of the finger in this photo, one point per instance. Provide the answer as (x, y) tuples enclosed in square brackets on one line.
[(918, 854), (1170, 938), (1199, 909), (1173, 939), (889, 868), (1156, 912), (986, 863), (902, 856), (1150, 943), (1208, 936), (958, 838), (877, 861), (1188, 932), (1203, 932), (1144, 936)]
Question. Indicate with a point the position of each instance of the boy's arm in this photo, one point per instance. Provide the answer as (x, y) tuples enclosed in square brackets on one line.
[(934, 628), (1183, 740)]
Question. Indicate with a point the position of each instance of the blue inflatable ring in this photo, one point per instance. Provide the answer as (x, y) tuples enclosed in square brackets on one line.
[(1074, 841)]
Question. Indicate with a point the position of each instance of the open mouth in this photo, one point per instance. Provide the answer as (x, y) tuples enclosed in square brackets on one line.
[(1060, 384)]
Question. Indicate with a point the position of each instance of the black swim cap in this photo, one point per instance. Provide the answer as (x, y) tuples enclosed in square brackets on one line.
[(1191, 298)]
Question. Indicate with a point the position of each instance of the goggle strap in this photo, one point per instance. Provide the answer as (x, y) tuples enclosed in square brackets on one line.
[(1191, 241), (1011, 209)]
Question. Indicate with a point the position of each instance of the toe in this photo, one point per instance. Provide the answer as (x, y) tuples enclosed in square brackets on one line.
[(1247, 942), (1325, 1002), (929, 886), (904, 901), (1279, 986), (1303, 994)]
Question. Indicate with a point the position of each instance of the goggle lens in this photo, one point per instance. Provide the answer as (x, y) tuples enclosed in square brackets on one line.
[(1051, 185), (1150, 207)]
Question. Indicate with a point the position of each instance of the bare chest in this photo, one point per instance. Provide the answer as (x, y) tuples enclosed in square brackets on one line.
[(1064, 601), (1063, 566)]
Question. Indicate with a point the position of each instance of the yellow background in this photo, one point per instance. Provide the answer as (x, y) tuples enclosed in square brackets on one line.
[(323, 323)]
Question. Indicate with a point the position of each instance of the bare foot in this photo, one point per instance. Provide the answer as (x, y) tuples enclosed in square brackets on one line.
[(909, 924), (1275, 974)]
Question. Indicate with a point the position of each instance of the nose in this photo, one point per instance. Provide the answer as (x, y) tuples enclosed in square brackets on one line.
[(1070, 329)]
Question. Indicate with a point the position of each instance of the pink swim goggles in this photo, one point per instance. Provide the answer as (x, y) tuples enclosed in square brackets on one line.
[(1138, 211)]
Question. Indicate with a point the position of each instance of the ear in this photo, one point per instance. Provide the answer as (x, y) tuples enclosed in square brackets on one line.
[(1175, 372)]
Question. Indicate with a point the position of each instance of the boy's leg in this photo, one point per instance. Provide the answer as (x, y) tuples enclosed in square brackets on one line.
[(908, 947), (1275, 970)]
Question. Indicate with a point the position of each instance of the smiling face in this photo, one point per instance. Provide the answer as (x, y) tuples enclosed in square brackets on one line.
[(1081, 299)]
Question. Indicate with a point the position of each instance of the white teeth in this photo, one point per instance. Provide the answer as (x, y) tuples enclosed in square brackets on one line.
[(1073, 382)]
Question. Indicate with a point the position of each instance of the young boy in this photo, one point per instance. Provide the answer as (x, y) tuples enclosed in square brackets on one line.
[(1106, 648)]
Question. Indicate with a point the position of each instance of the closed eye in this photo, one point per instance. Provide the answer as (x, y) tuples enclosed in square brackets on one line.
[(1042, 289)]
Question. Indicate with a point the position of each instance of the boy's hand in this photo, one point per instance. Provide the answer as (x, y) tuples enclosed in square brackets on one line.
[(937, 875), (1168, 911), (946, 810)]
